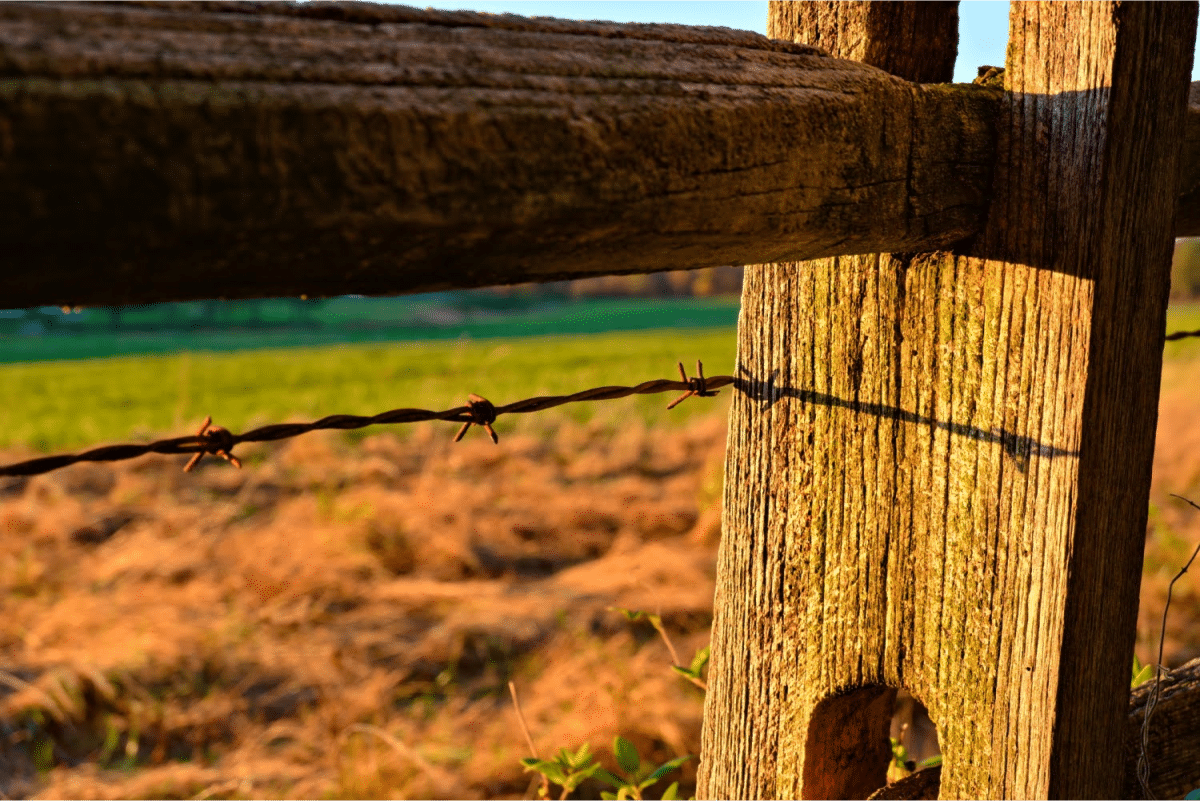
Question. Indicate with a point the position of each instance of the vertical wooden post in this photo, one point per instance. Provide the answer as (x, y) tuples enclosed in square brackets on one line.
[(939, 463)]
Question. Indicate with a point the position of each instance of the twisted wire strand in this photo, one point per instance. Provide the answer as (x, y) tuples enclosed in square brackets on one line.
[(220, 442)]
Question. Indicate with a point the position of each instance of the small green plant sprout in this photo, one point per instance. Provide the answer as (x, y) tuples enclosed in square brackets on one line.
[(1141, 673), (901, 765), (636, 776), (568, 770), (1194, 795), (692, 672), (699, 661)]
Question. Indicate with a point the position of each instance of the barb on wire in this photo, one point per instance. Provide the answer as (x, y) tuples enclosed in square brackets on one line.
[(483, 413), (697, 386), (218, 441), (1143, 763), (479, 411)]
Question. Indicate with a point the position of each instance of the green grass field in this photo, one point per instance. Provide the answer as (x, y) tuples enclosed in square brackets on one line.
[(68, 404), (1183, 317)]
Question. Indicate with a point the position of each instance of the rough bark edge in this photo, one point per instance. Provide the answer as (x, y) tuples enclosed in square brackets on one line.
[(1174, 743), (1187, 215), (362, 13)]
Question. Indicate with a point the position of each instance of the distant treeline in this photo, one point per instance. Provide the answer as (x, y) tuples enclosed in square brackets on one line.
[(436, 310), (709, 282)]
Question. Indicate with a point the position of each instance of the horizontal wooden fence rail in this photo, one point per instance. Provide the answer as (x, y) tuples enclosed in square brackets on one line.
[(292, 151), (282, 150), (168, 152)]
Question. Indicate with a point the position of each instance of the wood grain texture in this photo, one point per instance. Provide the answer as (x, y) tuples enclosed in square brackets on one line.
[(917, 41), (924, 784), (764, 659), (939, 463), (1187, 215), (165, 152), (1174, 743), (174, 151)]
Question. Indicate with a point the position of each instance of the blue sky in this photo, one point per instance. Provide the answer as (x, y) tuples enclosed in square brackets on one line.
[(983, 24)]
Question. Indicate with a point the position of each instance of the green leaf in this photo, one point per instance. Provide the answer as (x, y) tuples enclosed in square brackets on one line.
[(551, 770), (671, 792), (667, 767), (580, 776), (1194, 795), (685, 672), (699, 661), (632, 615), (580, 758), (1142, 676), (606, 777), (930, 762), (627, 755), (607, 796)]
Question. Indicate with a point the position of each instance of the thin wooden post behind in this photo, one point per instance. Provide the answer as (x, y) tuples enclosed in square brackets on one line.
[(939, 467)]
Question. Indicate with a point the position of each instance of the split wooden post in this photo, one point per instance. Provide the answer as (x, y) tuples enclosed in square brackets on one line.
[(939, 463)]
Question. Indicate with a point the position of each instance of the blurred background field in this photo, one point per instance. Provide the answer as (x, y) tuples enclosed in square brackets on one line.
[(684, 299), (53, 334), (341, 617), (59, 404)]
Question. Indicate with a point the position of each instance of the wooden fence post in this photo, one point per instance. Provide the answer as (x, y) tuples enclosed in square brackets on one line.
[(939, 467)]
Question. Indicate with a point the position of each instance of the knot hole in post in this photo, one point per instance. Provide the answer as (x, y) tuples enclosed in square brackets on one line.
[(871, 742)]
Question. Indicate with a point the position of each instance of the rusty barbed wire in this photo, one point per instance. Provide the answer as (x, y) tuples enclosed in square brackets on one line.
[(219, 441), (479, 411)]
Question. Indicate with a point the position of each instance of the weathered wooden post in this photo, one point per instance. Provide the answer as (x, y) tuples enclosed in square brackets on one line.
[(939, 468)]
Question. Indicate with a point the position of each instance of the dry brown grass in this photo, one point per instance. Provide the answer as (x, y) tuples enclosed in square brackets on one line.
[(341, 620)]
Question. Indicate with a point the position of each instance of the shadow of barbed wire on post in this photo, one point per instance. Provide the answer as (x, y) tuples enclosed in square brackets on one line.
[(1017, 446)]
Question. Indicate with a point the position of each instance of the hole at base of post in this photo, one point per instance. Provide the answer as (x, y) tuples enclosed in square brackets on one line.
[(913, 735), (873, 742)]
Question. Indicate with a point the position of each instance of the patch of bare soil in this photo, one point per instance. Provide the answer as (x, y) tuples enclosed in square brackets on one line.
[(341, 619)]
